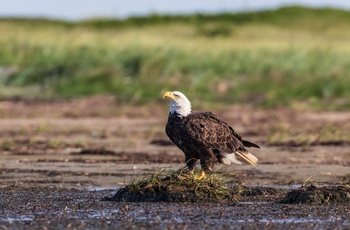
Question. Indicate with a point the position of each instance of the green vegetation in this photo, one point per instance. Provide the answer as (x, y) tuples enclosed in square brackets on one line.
[(175, 186), (293, 56)]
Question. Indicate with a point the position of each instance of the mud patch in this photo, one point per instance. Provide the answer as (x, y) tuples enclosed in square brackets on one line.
[(52, 207), (134, 157), (246, 191), (312, 194), (101, 151), (161, 142)]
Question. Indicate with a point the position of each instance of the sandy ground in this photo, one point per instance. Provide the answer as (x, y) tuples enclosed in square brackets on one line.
[(60, 158)]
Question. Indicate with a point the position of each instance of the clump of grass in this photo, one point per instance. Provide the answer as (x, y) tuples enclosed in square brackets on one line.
[(311, 194), (166, 185), (7, 145), (174, 186)]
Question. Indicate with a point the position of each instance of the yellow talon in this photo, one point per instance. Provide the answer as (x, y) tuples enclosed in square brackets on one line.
[(192, 172), (200, 177)]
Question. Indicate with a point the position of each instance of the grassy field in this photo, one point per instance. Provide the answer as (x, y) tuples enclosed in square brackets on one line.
[(295, 57)]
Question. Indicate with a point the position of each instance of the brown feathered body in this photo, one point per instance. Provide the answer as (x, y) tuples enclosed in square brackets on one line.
[(202, 136)]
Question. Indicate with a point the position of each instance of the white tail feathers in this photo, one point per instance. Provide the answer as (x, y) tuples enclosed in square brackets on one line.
[(246, 157), (238, 157), (229, 158)]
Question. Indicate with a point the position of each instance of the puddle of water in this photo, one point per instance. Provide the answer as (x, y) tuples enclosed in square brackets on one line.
[(281, 186), (98, 189), (17, 219), (301, 220), (288, 186), (101, 213), (253, 203), (141, 216)]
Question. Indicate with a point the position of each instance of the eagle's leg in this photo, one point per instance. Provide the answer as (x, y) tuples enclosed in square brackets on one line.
[(191, 163), (207, 163)]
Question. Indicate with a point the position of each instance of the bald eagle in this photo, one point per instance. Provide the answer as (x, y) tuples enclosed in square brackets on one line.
[(203, 136)]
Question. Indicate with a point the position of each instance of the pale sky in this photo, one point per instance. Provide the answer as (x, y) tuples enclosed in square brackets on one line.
[(82, 9)]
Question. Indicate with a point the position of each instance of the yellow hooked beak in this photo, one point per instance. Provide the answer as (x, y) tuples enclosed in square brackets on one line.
[(169, 95)]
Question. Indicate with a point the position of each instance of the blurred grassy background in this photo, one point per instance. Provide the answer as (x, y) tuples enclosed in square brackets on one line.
[(296, 57)]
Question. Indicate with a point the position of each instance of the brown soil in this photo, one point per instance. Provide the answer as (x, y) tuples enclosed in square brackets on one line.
[(60, 158)]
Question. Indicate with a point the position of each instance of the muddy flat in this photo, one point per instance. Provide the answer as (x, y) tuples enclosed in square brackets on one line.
[(59, 159)]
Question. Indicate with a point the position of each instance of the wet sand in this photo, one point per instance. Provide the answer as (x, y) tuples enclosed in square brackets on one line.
[(52, 208)]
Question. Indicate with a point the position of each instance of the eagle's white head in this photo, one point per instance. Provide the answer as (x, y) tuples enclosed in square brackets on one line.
[(179, 103)]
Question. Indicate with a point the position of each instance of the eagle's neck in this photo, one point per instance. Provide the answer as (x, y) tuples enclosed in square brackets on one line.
[(180, 111)]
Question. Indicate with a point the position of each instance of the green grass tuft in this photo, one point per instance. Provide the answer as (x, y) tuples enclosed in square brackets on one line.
[(175, 186)]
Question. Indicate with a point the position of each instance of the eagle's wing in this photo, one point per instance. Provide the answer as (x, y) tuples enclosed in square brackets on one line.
[(207, 129)]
